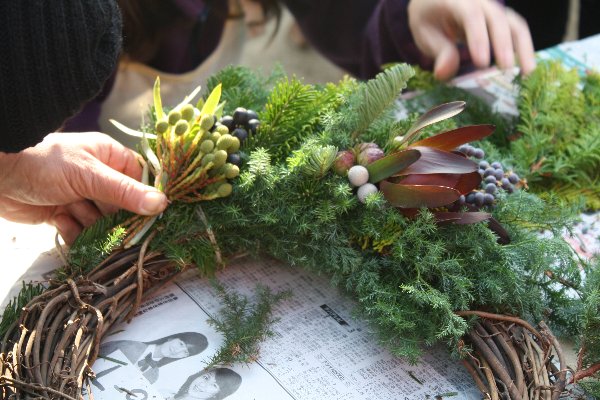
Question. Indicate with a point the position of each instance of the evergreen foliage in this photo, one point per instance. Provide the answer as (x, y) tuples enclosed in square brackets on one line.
[(243, 323), (411, 275), (590, 322), (560, 127), (246, 88), (93, 245), (291, 115), (13, 308)]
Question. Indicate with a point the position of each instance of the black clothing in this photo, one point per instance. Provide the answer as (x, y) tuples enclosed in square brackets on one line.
[(56, 55)]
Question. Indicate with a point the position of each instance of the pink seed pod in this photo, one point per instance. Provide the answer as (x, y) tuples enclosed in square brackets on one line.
[(368, 155), (343, 162)]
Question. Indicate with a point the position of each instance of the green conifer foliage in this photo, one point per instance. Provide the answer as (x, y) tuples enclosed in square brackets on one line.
[(560, 127)]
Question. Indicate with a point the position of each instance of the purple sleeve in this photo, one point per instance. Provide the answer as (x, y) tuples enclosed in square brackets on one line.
[(361, 36)]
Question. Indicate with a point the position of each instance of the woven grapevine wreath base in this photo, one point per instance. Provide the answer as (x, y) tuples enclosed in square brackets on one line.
[(510, 359), (49, 352)]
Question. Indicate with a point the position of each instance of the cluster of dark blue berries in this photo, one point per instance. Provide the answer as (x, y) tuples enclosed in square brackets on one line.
[(495, 178), (242, 124)]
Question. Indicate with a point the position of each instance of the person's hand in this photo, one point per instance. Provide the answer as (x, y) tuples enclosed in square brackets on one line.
[(438, 25), (71, 179)]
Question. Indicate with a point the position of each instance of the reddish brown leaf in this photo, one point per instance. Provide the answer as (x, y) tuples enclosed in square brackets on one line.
[(417, 196), (434, 161), (464, 183), (498, 229), (450, 140), (468, 182)]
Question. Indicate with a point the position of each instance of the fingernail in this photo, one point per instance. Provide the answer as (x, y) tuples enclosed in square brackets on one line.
[(154, 202)]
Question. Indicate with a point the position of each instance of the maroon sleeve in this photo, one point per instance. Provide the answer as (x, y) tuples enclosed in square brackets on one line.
[(361, 36)]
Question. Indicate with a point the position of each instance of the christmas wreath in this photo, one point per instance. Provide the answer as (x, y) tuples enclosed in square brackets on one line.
[(437, 239)]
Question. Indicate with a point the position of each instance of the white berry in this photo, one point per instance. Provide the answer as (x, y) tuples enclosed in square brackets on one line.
[(358, 175), (365, 190)]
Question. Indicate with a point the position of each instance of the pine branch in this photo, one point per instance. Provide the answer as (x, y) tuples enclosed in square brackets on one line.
[(14, 307), (290, 115)]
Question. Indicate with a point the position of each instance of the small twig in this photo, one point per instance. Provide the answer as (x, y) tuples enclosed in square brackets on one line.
[(140, 276), (495, 364), (512, 356), (499, 317), (562, 375), (211, 235), (36, 388), (480, 385), (563, 281), (585, 373), (490, 378)]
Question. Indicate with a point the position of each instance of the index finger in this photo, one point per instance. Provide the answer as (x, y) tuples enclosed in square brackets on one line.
[(471, 17), (522, 41), (500, 34)]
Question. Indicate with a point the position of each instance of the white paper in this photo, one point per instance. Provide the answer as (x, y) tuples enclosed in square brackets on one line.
[(318, 350)]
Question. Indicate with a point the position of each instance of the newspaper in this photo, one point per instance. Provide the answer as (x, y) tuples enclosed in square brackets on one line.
[(318, 349)]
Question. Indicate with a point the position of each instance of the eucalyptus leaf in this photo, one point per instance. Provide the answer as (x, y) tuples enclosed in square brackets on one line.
[(450, 140), (418, 196), (434, 161), (433, 115)]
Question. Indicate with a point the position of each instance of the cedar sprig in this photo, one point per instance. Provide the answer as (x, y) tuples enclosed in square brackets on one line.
[(244, 323)]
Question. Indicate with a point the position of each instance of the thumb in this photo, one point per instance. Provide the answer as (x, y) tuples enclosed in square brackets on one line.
[(112, 187)]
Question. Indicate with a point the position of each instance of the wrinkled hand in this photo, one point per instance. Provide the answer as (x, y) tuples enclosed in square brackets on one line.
[(71, 179), (438, 25)]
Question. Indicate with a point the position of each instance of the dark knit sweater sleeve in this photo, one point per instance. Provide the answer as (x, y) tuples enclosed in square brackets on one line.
[(56, 55)]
